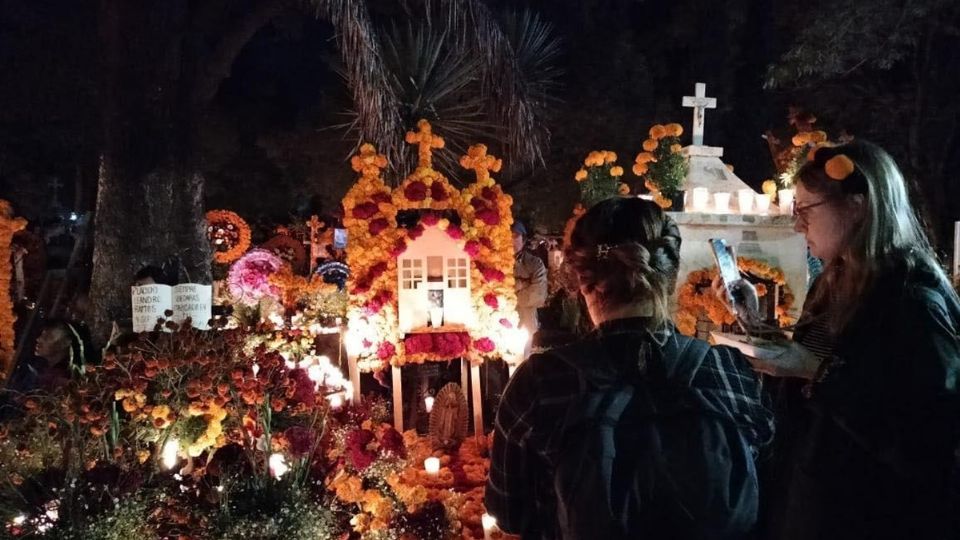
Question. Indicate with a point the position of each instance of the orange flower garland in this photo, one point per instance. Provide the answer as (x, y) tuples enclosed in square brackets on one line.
[(9, 225), (694, 296), (222, 225)]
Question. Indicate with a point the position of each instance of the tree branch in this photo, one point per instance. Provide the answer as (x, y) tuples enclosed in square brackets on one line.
[(216, 66)]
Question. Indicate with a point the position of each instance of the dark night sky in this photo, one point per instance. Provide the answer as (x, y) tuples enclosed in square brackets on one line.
[(268, 144)]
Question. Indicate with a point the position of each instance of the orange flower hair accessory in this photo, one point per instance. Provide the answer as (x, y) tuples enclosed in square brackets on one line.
[(839, 167)]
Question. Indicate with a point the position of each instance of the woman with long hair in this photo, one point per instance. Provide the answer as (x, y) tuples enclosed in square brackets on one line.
[(873, 455)]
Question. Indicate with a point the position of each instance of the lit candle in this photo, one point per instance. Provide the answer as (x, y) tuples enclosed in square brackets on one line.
[(428, 403), (278, 466), (171, 449), (745, 199), (721, 201), (785, 201), (701, 197), (489, 525), (432, 465), (763, 203), (436, 317)]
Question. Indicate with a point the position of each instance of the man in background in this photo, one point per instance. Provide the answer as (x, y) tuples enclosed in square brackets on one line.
[(531, 280)]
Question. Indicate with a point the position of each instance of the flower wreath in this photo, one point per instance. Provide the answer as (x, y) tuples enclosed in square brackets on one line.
[(229, 235), (9, 225), (694, 296)]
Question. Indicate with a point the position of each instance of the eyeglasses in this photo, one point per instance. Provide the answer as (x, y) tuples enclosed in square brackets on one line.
[(800, 211)]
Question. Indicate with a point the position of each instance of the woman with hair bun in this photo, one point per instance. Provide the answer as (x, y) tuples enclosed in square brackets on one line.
[(634, 431)]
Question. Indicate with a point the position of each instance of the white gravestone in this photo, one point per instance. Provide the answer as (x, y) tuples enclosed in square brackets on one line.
[(150, 302)]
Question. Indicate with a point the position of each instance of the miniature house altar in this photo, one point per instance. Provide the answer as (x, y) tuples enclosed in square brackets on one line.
[(434, 284), (431, 269)]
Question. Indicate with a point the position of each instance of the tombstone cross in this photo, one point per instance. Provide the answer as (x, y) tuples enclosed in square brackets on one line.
[(426, 140), (480, 162), (700, 102)]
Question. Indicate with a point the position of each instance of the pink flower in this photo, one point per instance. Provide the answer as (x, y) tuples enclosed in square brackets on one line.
[(360, 456), (249, 277), (506, 323), (386, 350), (455, 232), (484, 345), (490, 273), (490, 299), (472, 248), (303, 387), (415, 191), (415, 232)]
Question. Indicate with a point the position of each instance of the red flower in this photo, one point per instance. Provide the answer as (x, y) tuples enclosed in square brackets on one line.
[(398, 248), (303, 387), (429, 219), (438, 192), (450, 344), (478, 204), (301, 440), (418, 343), (490, 299), (455, 232), (487, 243), (365, 210), (472, 248), (488, 216), (361, 287), (484, 345), (490, 273), (386, 350), (415, 191), (415, 232), (381, 197), (489, 194), (505, 323), (378, 225), (391, 441), (377, 270), (360, 456)]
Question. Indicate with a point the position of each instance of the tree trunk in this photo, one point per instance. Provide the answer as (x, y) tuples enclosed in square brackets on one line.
[(150, 191)]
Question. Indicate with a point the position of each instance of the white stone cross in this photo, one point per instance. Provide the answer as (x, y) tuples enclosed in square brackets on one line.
[(700, 102)]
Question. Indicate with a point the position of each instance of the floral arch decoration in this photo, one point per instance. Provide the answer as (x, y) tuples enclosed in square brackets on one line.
[(478, 219)]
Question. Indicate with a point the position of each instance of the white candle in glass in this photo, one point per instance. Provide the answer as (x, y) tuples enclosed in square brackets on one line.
[(432, 465), (436, 317), (721, 201), (786, 201), (745, 200), (763, 203), (701, 197), (428, 403)]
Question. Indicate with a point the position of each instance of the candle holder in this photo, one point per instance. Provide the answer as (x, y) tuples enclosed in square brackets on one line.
[(721, 202), (432, 465), (763, 203), (436, 317), (785, 201), (701, 197), (745, 199)]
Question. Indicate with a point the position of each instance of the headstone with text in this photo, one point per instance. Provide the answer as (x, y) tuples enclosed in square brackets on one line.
[(187, 300)]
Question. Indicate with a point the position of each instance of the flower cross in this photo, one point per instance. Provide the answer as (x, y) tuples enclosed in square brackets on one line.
[(368, 162), (481, 162), (427, 141)]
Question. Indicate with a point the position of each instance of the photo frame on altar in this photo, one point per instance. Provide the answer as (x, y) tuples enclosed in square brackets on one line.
[(340, 239)]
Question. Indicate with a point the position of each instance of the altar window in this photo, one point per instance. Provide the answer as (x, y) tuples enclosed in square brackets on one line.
[(411, 273), (457, 273)]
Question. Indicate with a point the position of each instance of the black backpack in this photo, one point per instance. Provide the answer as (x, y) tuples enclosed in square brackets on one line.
[(638, 457)]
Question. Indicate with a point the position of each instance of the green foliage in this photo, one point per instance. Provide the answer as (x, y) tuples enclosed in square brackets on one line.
[(670, 168), (280, 511), (849, 35)]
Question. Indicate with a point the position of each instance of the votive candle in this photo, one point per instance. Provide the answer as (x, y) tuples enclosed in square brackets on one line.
[(745, 200), (701, 197), (785, 201), (763, 202), (721, 201), (432, 465)]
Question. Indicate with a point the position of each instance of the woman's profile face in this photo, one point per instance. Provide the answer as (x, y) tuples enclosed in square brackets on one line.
[(825, 224)]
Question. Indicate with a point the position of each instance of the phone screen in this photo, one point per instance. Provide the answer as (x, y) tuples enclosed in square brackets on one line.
[(728, 267)]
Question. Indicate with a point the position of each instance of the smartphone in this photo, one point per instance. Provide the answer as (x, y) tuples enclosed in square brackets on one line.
[(729, 272)]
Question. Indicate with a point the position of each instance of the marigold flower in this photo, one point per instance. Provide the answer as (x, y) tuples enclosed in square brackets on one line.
[(650, 145), (581, 175), (675, 148), (639, 169), (616, 170), (658, 132), (839, 167), (623, 189), (769, 187), (645, 157), (674, 130)]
